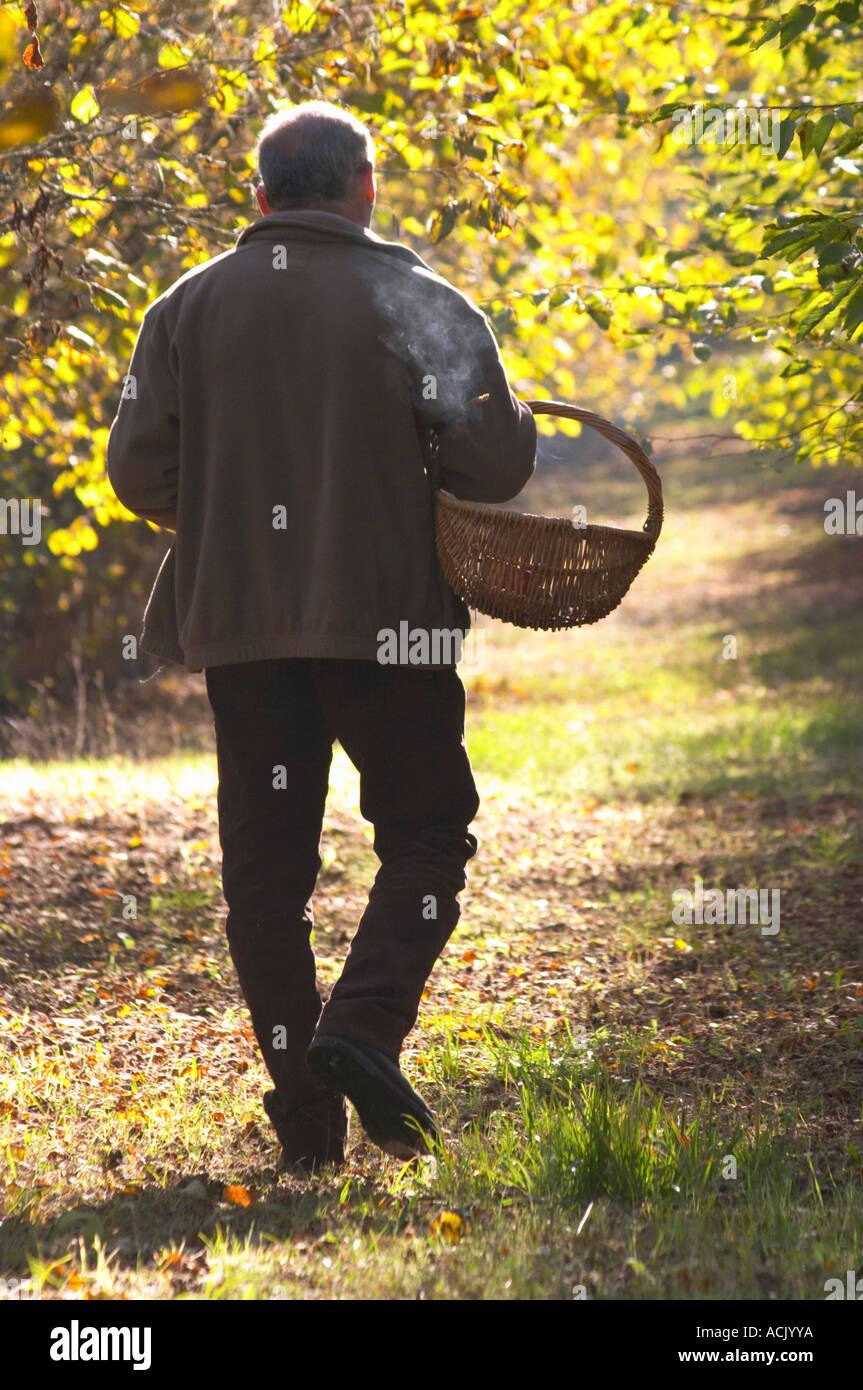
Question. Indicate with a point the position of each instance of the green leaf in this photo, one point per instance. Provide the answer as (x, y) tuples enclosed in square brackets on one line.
[(848, 142), (672, 256), (813, 318), (787, 128), (822, 129), (471, 150), (853, 316), (795, 22), (805, 131), (791, 236), (598, 312), (795, 369), (561, 296), (830, 251), (667, 109), (769, 33)]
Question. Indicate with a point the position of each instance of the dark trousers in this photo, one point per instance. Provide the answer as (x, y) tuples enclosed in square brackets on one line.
[(403, 729)]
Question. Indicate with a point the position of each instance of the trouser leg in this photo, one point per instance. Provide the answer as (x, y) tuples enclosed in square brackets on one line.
[(274, 751), (403, 729)]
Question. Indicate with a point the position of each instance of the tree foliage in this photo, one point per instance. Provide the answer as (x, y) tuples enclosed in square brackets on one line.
[(530, 150)]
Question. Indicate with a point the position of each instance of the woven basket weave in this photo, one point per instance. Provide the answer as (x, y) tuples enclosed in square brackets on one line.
[(545, 572)]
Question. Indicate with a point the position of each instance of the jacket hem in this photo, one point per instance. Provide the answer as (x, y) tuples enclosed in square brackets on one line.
[(308, 645)]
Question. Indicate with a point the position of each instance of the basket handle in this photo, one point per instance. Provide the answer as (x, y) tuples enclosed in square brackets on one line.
[(625, 442)]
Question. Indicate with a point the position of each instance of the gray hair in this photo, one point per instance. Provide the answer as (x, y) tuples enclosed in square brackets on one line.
[(310, 153)]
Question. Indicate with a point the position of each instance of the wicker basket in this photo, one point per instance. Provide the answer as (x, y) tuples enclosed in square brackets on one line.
[(545, 572)]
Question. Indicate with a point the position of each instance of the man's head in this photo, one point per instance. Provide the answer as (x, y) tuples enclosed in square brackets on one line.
[(317, 156)]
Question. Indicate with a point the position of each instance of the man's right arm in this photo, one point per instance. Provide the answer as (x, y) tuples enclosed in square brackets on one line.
[(486, 436)]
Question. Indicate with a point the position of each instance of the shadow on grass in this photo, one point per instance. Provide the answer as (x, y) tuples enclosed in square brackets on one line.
[(131, 1232)]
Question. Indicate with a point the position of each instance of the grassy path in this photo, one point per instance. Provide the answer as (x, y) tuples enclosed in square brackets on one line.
[(633, 1106)]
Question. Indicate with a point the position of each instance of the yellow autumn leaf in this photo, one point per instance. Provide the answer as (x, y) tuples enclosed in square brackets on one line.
[(87, 538), (84, 105), (62, 543), (172, 56), (447, 1226), (121, 21)]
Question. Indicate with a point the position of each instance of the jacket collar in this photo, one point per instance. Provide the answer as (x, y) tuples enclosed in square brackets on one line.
[(321, 226)]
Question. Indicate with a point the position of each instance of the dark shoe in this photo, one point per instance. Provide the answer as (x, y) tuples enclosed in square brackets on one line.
[(390, 1111), (313, 1136)]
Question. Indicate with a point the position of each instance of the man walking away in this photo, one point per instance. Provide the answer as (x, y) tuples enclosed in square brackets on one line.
[(284, 395)]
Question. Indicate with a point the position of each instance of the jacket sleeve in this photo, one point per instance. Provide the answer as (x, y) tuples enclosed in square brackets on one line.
[(486, 436), (143, 442)]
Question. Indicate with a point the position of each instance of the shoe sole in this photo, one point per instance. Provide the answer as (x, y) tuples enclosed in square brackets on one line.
[(381, 1106)]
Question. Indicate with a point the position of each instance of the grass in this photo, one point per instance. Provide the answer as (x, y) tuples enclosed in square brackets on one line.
[(630, 1108), (574, 1185), (571, 1187)]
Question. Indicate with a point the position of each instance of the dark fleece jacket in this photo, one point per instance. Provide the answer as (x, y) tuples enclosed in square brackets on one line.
[(274, 417)]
